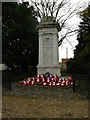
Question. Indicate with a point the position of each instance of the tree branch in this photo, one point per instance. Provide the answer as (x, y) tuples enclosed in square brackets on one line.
[(65, 36), (60, 6)]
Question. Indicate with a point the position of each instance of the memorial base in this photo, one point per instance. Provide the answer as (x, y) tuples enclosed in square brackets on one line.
[(55, 70)]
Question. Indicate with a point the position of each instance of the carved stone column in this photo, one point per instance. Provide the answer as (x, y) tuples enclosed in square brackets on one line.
[(48, 47)]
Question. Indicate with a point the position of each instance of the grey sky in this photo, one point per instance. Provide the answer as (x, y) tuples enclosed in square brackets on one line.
[(74, 20)]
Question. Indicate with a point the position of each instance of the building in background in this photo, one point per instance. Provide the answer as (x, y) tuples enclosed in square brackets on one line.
[(63, 64)]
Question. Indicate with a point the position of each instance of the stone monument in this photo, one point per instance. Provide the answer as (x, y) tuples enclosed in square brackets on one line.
[(48, 46)]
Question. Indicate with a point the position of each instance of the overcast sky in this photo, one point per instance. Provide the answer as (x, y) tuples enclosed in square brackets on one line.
[(75, 20)]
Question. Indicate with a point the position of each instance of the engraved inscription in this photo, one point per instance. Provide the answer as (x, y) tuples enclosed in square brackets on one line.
[(47, 49)]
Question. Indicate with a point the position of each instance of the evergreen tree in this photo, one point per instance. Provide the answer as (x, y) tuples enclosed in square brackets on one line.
[(81, 61), (19, 36)]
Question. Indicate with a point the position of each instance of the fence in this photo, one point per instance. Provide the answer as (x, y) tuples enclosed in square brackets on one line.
[(10, 77), (6, 81), (81, 83)]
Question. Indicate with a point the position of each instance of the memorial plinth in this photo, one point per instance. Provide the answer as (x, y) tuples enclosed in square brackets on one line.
[(48, 47)]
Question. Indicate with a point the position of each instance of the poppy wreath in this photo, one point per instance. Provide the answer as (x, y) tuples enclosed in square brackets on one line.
[(50, 80)]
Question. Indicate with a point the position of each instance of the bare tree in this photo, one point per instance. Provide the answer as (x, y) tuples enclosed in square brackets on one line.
[(61, 10)]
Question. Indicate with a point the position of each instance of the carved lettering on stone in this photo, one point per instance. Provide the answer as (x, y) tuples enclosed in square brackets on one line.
[(48, 49)]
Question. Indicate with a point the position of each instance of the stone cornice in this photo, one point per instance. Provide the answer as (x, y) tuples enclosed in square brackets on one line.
[(49, 26), (49, 22)]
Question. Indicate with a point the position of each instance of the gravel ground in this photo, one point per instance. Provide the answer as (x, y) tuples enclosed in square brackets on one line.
[(42, 91), (43, 102)]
